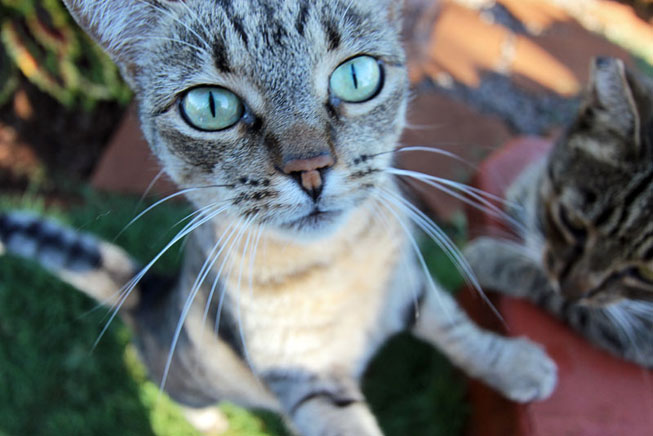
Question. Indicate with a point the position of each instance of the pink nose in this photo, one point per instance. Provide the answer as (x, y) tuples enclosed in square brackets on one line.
[(307, 172)]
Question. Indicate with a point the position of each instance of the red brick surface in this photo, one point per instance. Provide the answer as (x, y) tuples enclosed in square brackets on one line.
[(128, 166)]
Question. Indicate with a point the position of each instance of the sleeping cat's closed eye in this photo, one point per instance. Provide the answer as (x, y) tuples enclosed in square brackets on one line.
[(572, 224)]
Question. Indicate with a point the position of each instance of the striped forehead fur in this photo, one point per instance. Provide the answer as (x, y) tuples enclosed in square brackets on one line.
[(253, 40), (176, 38)]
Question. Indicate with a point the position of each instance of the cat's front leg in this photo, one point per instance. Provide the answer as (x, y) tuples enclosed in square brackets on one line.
[(322, 405), (506, 267), (516, 367)]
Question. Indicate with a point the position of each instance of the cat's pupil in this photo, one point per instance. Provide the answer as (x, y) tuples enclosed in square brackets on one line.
[(212, 104), (353, 75)]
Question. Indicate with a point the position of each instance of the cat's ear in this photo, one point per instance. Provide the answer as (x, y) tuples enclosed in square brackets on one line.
[(119, 27), (611, 100)]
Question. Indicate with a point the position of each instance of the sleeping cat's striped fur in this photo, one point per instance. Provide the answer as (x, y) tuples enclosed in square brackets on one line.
[(587, 251), (303, 270)]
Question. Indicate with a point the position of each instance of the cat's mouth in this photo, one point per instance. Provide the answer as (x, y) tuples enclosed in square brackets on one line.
[(314, 220)]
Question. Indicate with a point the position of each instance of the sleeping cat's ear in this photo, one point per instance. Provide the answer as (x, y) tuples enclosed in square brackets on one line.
[(611, 104), (118, 26)]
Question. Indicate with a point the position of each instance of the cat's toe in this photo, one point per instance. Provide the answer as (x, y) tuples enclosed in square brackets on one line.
[(525, 372)]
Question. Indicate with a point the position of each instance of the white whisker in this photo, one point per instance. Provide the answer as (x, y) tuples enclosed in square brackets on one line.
[(385, 221), (481, 195), (228, 245), (450, 248), (163, 200), (413, 243), (194, 213), (195, 16), (126, 290), (211, 258), (238, 287), (472, 191), (169, 14), (435, 151), (231, 260), (149, 188), (484, 204), (253, 257)]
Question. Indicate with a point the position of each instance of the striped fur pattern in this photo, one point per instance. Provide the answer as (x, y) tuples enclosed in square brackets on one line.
[(79, 259), (283, 297), (587, 254)]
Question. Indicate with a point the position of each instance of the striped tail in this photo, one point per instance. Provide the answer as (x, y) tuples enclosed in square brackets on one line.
[(95, 267)]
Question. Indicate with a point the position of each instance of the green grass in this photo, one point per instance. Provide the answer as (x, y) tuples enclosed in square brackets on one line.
[(54, 382), (644, 67)]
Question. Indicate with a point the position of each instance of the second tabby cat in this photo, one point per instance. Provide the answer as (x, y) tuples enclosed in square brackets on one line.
[(587, 247)]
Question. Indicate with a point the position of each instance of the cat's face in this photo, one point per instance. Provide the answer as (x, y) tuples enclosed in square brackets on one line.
[(291, 106), (597, 196)]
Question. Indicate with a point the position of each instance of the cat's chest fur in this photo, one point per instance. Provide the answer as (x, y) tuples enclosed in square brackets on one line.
[(313, 300)]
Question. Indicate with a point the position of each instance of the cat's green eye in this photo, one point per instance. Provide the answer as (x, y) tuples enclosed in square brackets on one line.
[(357, 80), (211, 108), (645, 273)]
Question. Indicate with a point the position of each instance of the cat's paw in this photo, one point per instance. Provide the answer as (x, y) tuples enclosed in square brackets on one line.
[(523, 371), (477, 250), (505, 266), (480, 254)]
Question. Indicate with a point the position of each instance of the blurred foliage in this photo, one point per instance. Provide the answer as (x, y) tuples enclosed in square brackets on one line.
[(40, 40), (442, 263), (644, 67)]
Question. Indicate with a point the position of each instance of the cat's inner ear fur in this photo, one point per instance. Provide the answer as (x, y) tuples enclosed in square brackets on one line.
[(119, 26), (610, 102)]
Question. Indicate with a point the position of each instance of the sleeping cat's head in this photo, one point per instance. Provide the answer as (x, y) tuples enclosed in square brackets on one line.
[(291, 105), (597, 195)]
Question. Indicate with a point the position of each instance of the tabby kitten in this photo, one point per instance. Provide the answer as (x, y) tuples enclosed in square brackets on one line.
[(587, 247), (278, 119)]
